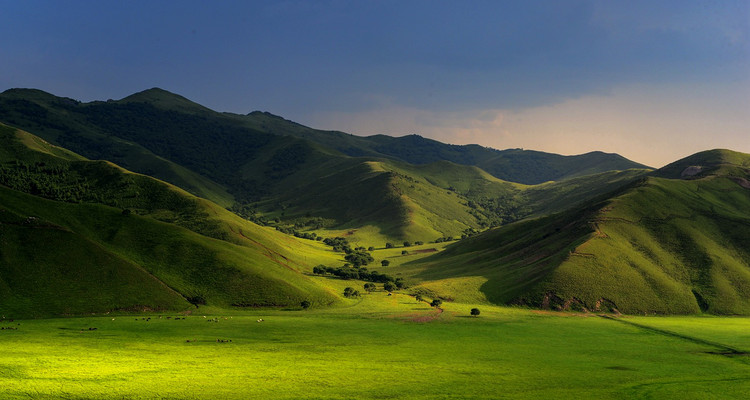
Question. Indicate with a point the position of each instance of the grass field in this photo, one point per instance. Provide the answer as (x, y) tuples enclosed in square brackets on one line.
[(378, 347)]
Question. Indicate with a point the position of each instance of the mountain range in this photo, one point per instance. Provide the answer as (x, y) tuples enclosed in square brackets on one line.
[(209, 214)]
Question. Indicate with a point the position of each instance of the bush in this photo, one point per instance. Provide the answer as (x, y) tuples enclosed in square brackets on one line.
[(389, 286), (349, 292), (475, 312), (436, 303), (305, 304), (385, 263)]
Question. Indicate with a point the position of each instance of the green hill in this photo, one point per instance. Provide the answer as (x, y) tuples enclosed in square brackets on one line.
[(83, 236), (513, 165), (659, 245), (261, 163)]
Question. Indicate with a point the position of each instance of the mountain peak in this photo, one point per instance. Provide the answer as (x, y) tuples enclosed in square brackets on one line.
[(164, 99), (702, 163)]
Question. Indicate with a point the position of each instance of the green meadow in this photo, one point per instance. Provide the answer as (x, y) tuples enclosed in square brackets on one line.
[(376, 347)]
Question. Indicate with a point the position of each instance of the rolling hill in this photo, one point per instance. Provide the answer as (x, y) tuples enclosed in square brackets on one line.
[(672, 242), (407, 188), (605, 234), (80, 236)]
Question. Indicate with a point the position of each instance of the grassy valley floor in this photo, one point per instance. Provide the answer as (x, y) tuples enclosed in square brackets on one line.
[(375, 348)]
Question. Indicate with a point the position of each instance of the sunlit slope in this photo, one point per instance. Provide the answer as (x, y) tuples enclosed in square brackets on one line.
[(659, 246), (102, 229)]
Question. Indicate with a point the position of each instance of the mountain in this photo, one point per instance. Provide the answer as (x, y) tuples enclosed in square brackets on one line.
[(513, 165), (672, 242), (408, 188), (80, 236)]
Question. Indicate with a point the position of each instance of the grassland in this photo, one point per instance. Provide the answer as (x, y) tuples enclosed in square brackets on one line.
[(106, 239), (374, 348), (656, 245)]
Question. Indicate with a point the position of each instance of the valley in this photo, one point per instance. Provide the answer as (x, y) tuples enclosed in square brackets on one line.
[(284, 262)]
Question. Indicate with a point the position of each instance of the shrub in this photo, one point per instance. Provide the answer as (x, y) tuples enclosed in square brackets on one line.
[(475, 312)]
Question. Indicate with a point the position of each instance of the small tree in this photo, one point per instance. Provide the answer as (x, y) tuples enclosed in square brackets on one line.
[(436, 303), (348, 291), (389, 245), (475, 312), (389, 286), (370, 248), (305, 304), (407, 244), (419, 298), (369, 287), (385, 263), (404, 252)]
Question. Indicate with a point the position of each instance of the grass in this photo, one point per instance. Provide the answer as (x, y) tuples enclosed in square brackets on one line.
[(657, 245), (72, 257), (372, 348), (290, 171)]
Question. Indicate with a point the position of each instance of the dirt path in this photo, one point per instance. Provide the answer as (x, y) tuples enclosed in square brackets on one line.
[(429, 317)]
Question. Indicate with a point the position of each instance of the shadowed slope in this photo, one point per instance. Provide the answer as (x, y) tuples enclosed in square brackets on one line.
[(165, 250)]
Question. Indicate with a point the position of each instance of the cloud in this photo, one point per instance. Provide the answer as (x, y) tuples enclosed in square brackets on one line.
[(650, 124)]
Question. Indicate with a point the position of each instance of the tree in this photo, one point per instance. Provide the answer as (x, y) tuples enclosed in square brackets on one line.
[(369, 286), (385, 263), (419, 298), (407, 244), (389, 286), (349, 292), (404, 252), (475, 312), (305, 304), (371, 248), (389, 245), (436, 303)]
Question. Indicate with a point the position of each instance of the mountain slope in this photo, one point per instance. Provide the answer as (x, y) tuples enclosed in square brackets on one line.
[(106, 239), (245, 162), (513, 165), (657, 246)]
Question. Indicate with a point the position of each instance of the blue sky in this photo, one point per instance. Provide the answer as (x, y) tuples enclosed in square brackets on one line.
[(653, 81)]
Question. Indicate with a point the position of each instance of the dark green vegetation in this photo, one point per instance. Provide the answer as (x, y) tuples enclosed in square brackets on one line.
[(599, 236), (276, 172), (673, 242), (80, 236)]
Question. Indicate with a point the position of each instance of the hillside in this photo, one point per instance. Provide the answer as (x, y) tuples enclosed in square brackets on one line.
[(83, 236), (660, 245), (268, 168), (514, 165)]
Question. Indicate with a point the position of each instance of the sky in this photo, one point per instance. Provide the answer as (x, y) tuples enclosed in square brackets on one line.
[(654, 81)]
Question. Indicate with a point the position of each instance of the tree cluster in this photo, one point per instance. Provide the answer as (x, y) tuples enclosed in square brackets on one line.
[(359, 273)]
